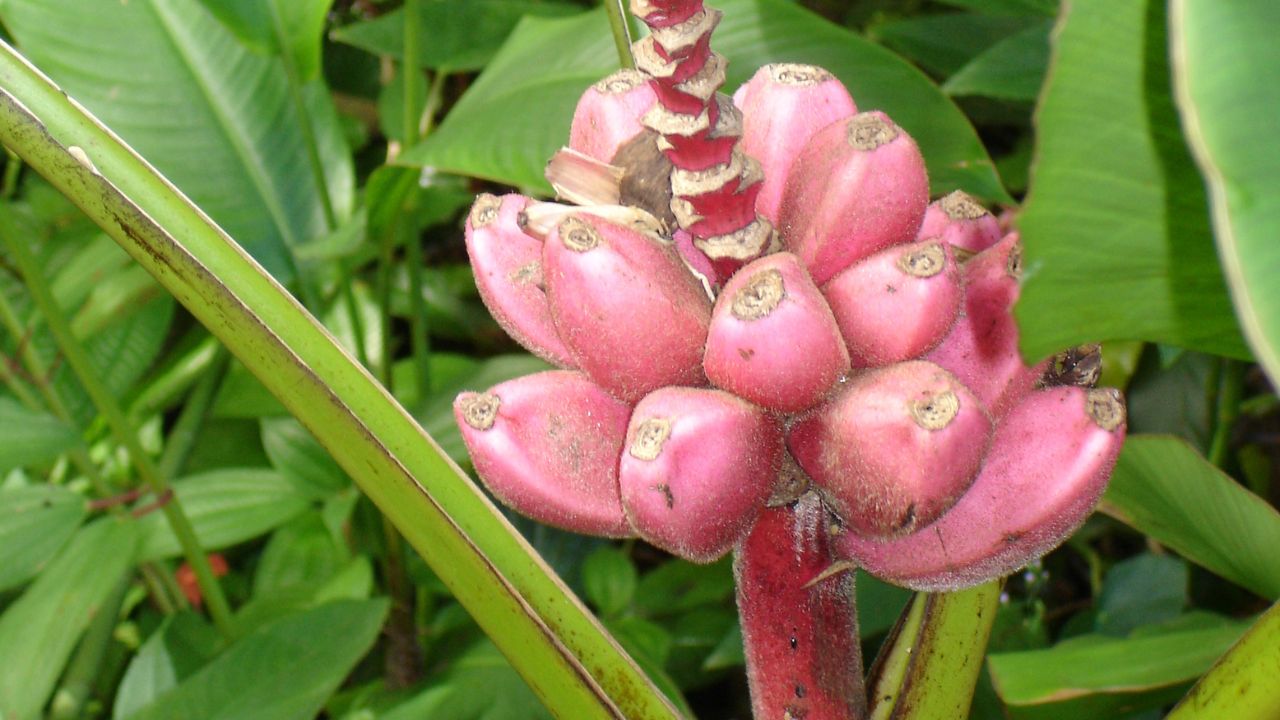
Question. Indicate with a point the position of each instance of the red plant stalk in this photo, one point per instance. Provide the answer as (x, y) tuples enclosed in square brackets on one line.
[(714, 185), (799, 621)]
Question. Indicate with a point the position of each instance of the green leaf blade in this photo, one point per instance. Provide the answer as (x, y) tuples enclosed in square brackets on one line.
[(35, 522), (1219, 50), (1115, 232), (30, 437)]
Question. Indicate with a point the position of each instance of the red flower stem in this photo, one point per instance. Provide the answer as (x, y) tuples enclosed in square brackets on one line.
[(714, 186), (799, 620)]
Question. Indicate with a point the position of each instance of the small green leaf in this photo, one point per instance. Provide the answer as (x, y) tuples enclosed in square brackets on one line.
[(1168, 491), (478, 685), (1115, 229), (1141, 590), (1012, 69), (1220, 50), (40, 629), (225, 507), (455, 36), (729, 652), (517, 113), (879, 604), (301, 553), (182, 644), (610, 580), (297, 456), (1098, 676), (281, 671), (35, 522), (30, 437), (677, 586)]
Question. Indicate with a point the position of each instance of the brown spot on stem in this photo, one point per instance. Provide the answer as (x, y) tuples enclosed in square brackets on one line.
[(485, 210), (1106, 407), (798, 75), (867, 131), (935, 412), (649, 438), (960, 205), (480, 410), (761, 296), (925, 262), (578, 235)]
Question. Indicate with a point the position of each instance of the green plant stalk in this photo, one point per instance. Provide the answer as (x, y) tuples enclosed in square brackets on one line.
[(420, 341), (562, 651), (931, 661), (1228, 393), (121, 427), (77, 683), (191, 420), (16, 386), (166, 387), (1242, 684), (621, 31)]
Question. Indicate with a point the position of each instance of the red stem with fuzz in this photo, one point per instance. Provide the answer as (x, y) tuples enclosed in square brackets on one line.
[(799, 622)]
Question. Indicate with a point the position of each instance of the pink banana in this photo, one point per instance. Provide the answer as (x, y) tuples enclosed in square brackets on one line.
[(858, 187), (960, 220), (896, 304), (783, 106), (547, 445), (895, 448), (508, 272), (697, 468), (1048, 465), (632, 316), (773, 340), (608, 114), (982, 348)]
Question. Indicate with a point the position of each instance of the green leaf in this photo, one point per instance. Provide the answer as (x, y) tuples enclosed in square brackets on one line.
[(879, 604), (1012, 69), (40, 629), (1168, 491), (225, 507), (1099, 676), (610, 580), (275, 26), (677, 586), (1220, 51), (1141, 590), (35, 522), (517, 113), (30, 437), (297, 456), (1242, 683), (214, 117), (1115, 230), (299, 554), (478, 685), (121, 354), (943, 44), (283, 670), (455, 36), (182, 644), (931, 661)]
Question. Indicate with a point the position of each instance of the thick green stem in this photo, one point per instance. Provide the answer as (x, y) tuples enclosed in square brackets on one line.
[(1226, 394), (621, 29), (121, 427)]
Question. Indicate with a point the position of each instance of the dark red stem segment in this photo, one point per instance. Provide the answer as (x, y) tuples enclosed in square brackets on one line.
[(799, 620), (714, 185)]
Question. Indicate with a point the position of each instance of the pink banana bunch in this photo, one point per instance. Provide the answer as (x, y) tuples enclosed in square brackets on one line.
[(771, 341)]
